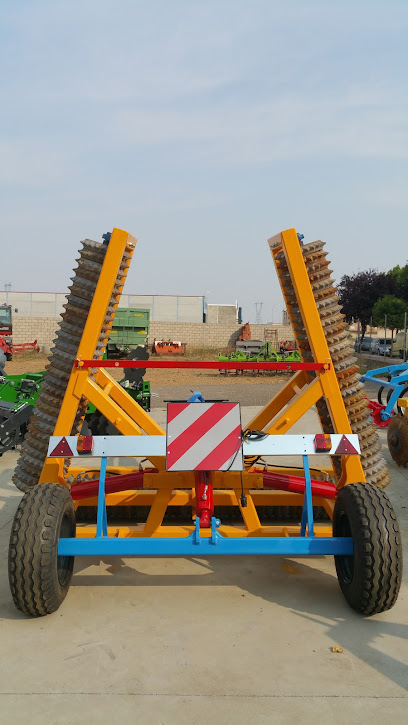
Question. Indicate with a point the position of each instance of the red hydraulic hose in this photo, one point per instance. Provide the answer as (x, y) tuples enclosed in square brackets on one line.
[(113, 484), (271, 479), (296, 484)]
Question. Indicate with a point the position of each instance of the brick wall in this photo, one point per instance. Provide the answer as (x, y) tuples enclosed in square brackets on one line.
[(195, 334), (209, 334), (28, 329)]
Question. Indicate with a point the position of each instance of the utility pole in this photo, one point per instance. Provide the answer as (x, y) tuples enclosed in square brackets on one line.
[(258, 313)]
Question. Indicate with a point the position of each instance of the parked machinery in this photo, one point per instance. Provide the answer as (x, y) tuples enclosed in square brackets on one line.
[(3, 360), (6, 331), (392, 412), (263, 352), (206, 462), (18, 394), (130, 329)]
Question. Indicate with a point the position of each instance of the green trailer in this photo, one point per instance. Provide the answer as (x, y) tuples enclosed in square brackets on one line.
[(130, 330)]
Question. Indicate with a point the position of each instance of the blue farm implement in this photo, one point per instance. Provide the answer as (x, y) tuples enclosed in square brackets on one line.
[(392, 413), (204, 463)]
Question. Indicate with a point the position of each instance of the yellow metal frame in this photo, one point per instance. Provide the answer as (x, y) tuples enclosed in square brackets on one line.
[(298, 395), (164, 489)]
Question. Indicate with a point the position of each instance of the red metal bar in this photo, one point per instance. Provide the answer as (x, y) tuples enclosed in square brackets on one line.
[(296, 484), (230, 365), (113, 484)]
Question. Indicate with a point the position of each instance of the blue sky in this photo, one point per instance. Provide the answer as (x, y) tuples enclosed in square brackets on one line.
[(202, 128)]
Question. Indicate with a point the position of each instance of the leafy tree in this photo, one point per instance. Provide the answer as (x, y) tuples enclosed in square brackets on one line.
[(400, 275), (394, 308), (359, 292)]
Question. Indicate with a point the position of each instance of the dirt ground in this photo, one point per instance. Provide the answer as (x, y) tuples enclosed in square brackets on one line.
[(34, 363), (247, 389)]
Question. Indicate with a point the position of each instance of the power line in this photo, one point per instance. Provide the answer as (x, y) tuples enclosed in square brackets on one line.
[(258, 313)]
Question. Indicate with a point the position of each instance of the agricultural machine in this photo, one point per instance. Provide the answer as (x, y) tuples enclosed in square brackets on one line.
[(169, 347), (392, 412), (19, 393), (204, 486), (266, 354), (129, 331), (6, 331)]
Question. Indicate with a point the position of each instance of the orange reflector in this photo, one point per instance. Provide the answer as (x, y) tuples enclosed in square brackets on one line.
[(84, 444), (62, 449), (322, 443), (345, 447)]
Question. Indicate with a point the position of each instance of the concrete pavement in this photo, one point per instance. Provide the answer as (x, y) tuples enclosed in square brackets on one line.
[(177, 641)]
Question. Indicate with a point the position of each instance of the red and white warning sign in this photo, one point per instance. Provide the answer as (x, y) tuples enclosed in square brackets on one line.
[(204, 437), (345, 447), (61, 450)]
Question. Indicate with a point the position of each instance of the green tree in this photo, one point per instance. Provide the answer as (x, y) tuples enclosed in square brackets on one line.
[(358, 294), (394, 308), (400, 275)]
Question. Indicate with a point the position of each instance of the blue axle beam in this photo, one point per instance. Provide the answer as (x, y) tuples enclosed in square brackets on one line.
[(189, 546), (214, 545)]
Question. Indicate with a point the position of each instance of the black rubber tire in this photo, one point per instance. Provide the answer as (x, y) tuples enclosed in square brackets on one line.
[(404, 394), (39, 578), (370, 579)]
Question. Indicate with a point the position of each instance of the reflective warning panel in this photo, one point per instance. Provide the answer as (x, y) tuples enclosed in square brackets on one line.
[(62, 449), (204, 437), (345, 447)]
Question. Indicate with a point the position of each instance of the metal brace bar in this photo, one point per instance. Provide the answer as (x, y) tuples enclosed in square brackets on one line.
[(101, 518), (307, 512)]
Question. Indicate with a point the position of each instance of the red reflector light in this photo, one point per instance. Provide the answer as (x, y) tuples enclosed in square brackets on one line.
[(62, 449), (345, 447), (322, 443), (84, 444)]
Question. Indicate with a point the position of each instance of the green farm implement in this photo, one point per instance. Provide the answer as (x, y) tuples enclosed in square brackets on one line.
[(18, 395), (266, 354)]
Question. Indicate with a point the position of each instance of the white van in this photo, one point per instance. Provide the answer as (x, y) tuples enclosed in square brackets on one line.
[(397, 349)]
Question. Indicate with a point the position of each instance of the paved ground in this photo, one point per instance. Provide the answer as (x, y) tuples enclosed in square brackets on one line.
[(245, 394), (257, 394), (177, 641)]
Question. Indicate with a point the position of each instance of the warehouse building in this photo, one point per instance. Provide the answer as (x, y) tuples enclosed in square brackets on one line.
[(162, 308), (188, 319)]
